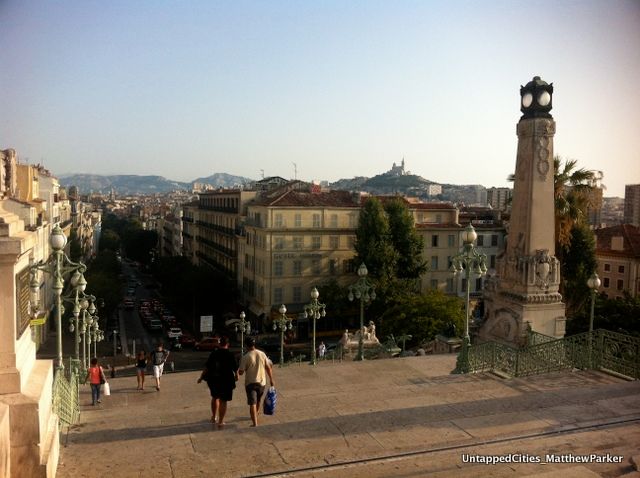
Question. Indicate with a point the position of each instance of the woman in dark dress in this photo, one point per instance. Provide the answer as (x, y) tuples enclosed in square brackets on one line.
[(221, 374), (141, 366)]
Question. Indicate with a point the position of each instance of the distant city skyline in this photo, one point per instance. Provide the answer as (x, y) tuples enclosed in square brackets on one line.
[(341, 89)]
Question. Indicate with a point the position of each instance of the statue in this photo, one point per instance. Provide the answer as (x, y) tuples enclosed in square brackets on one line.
[(344, 341), (372, 331)]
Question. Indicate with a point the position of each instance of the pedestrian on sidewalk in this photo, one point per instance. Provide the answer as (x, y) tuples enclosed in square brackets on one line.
[(221, 374), (96, 378), (158, 358), (322, 349), (256, 365), (141, 365)]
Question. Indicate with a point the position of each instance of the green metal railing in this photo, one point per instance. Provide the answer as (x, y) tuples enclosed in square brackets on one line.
[(66, 393), (600, 349)]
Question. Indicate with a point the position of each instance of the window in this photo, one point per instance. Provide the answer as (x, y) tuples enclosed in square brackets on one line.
[(352, 242), (605, 282), (449, 263), (297, 294), (279, 243), (434, 283), (451, 240), (492, 261), (352, 220), (277, 295), (450, 285), (434, 240), (316, 220), (607, 267), (246, 261), (334, 220), (298, 242), (277, 268), (297, 220), (278, 221), (334, 242), (480, 240), (316, 242), (315, 266), (332, 266), (348, 266), (464, 284), (434, 263), (620, 284), (478, 284), (297, 268), (494, 240), (621, 269), (438, 218)]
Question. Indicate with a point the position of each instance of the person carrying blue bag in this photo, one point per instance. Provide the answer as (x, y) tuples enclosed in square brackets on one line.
[(256, 365)]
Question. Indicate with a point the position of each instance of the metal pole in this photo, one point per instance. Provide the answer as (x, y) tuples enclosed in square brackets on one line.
[(466, 308), (282, 325), (95, 346), (361, 339), (593, 303), (241, 338), (313, 351), (57, 272), (115, 336)]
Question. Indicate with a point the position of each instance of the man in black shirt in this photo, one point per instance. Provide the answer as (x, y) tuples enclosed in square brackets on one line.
[(221, 374)]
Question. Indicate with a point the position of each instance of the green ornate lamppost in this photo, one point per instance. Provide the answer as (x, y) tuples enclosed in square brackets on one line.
[(469, 261), (363, 290), (283, 323), (314, 310)]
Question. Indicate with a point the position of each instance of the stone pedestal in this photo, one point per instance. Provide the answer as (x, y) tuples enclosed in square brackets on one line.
[(524, 291), (29, 438)]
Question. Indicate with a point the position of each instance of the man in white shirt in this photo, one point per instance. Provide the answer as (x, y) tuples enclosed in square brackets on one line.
[(256, 365)]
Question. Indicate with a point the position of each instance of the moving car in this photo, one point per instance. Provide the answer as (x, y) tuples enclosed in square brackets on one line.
[(207, 343)]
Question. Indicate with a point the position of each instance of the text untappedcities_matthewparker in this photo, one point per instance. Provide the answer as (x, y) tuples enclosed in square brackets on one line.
[(542, 459)]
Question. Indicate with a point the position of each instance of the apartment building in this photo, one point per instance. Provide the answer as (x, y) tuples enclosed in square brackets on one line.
[(293, 240), (618, 256), (632, 204)]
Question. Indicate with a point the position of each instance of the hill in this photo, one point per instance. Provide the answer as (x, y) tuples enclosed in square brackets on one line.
[(122, 184)]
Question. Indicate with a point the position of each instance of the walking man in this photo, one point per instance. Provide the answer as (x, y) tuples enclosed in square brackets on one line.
[(257, 366), (158, 357), (221, 374)]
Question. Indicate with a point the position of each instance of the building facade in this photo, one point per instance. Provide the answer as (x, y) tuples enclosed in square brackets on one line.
[(618, 256), (294, 240), (632, 204)]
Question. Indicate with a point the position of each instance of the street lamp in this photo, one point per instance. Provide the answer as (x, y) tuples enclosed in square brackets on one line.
[(283, 323), (470, 261), (244, 326), (594, 283), (314, 310), (58, 265), (364, 290)]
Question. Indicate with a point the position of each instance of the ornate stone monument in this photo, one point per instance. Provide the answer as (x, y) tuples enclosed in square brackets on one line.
[(524, 291)]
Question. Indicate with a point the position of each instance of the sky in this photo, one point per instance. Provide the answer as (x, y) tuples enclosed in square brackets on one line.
[(319, 90)]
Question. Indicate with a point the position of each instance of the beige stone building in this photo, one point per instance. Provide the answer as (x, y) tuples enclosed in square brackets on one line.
[(294, 240), (618, 256), (29, 436)]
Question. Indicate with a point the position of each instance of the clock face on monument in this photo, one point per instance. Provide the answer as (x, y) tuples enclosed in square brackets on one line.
[(544, 98), (527, 99)]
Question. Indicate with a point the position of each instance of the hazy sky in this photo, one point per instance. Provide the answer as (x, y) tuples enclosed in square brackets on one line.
[(341, 88)]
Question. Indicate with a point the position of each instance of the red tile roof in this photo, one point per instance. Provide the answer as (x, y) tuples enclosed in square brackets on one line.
[(308, 199), (630, 235)]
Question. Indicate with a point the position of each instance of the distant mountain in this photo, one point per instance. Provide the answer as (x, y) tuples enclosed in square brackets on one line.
[(122, 184), (223, 180), (385, 184)]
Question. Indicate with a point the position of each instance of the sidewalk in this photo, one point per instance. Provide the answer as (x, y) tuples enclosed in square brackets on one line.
[(338, 413)]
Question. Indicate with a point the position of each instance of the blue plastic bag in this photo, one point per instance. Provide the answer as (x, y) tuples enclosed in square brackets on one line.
[(270, 401)]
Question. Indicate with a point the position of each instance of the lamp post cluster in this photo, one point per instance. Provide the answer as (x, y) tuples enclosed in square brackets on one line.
[(58, 265), (363, 290), (469, 261), (314, 310), (283, 323)]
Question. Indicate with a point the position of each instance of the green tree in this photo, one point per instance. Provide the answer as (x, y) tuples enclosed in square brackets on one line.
[(423, 316), (579, 262), (373, 242), (619, 315), (109, 240), (405, 240)]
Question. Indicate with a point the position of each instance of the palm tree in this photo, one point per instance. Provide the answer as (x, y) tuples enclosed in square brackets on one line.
[(573, 195), (572, 191)]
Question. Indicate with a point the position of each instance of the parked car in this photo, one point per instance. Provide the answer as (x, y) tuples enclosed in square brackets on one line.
[(155, 324), (174, 332), (187, 340), (207, 343)]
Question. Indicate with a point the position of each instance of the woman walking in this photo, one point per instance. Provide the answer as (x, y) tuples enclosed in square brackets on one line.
[(96, 377), (141, 365)]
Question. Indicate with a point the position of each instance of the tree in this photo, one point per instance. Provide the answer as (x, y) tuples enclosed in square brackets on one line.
[(405, 240), (572, 195), (579, 262), (373, 242), (619, 315), (109, 240), (422, 316)]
